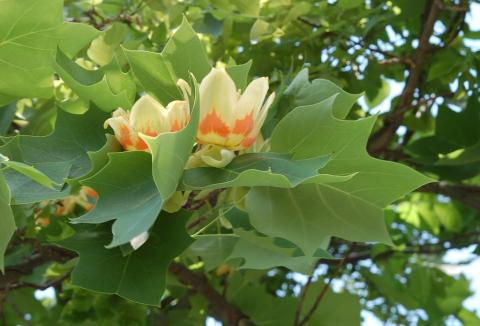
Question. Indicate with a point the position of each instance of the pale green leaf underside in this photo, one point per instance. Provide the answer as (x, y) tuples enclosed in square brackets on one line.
[(352, 209), (377, 181), (308, 213), (256, 169)]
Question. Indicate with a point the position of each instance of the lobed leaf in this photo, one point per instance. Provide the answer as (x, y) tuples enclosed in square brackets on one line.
[(139, 276)]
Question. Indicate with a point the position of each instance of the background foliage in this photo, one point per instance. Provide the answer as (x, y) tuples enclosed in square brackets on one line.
[(324, 248)]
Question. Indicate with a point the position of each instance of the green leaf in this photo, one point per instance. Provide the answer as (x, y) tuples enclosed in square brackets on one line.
[(30, 172), (170, 151), (313, 130), (259, 252), (248, 7), (381, 95), (461, 157), (127, 194), (73, 37), (255, 169), (459, 128), (239, 74), (186, 54), (58, 156), (155, 74), (140, 276), (99, 159), (327, 313), (260, 30), (212, 248), (272, 311), (306, 212), (309, 213), (132, 198), (281, 310), (27, 46), (254, 251), (7, 113), (97, 86), (349, 4), (102, 49), (7, 222), (302, 92)]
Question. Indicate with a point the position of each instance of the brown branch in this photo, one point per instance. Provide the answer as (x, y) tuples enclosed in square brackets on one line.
[(20, 285), (40, 256), (220, 306), (384, 136), (325, 288), (302, 299), (99, 21), (456, 242), (465, 194)]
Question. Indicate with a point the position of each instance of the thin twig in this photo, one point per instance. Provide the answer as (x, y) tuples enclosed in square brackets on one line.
[(302, 298), (326, 287), (231, 314)]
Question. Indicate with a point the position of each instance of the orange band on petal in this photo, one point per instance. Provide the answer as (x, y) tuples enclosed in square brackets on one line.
[(125, 139), (175, 126), (244, 126), (141, 145), (91, 193), (247, 142), (213, 123)]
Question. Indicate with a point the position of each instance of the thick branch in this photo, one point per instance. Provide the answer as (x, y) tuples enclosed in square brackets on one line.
[(384, 136), (467, 195), (199, 283)]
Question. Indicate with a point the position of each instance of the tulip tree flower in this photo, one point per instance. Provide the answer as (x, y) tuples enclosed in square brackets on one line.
[(229, 119), (149, 117)]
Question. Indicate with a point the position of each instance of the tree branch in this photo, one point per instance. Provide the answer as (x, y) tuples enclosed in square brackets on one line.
[(384, 136), (199, 282), (325, 288), (466, 194)]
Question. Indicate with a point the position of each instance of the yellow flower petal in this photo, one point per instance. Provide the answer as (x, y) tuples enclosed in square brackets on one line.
[(147, 116)]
